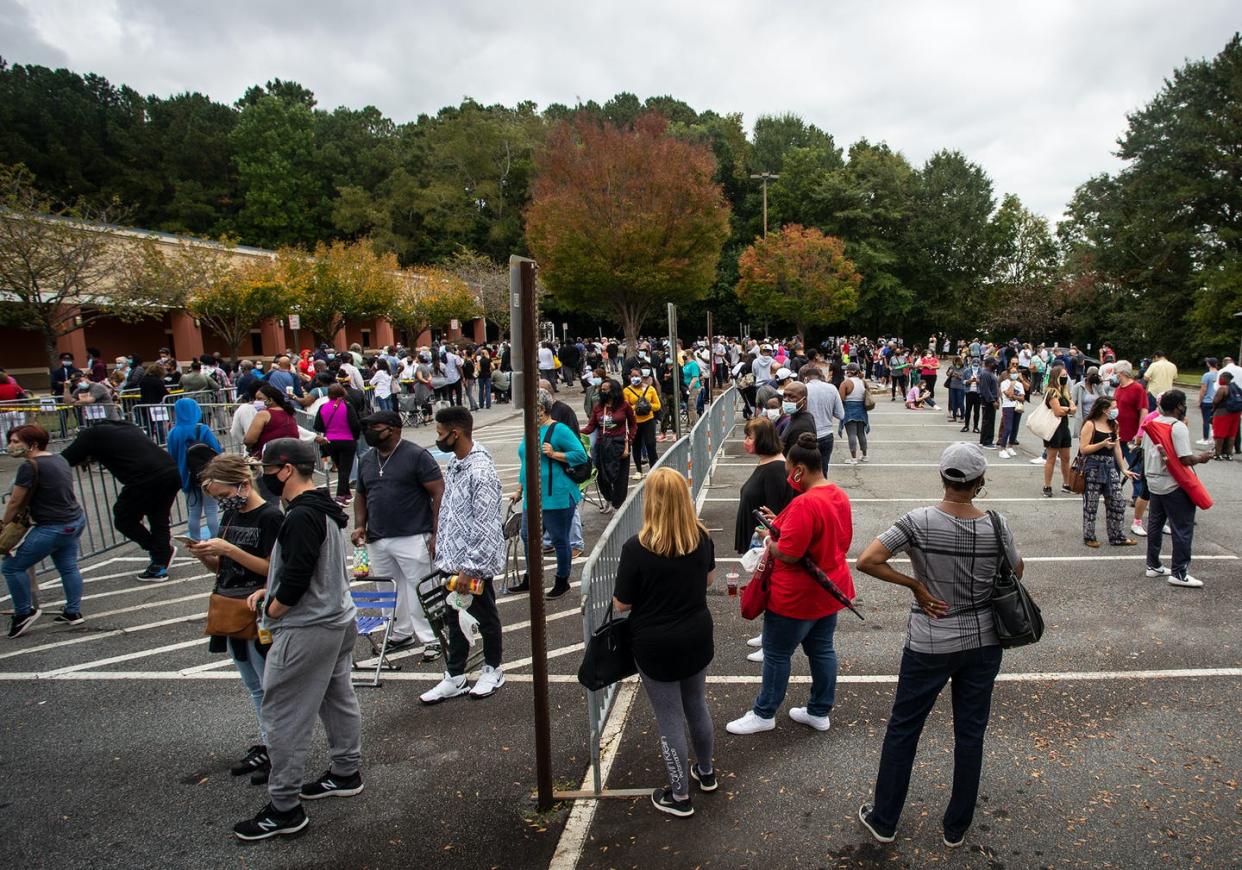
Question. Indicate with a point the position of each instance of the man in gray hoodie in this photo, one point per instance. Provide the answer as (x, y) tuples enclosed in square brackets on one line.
[(310, 614)]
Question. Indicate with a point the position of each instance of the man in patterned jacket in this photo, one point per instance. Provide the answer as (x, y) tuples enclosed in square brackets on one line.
[(470, 544)]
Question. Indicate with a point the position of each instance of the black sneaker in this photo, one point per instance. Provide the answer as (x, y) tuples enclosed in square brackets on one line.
[(19, 624), (331, 785), (524, 586), (431, 652), (396, 644), (259, 777), (67, 618), (270, 821), (255, 759), (557, 590), (663, 800), (954, 841), (706, 781), (153, 574), (864, 813)]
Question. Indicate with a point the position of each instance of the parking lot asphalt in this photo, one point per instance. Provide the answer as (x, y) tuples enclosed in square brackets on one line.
[(1114, 742)]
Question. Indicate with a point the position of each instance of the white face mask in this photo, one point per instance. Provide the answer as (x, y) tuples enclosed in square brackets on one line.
[(772, 413)]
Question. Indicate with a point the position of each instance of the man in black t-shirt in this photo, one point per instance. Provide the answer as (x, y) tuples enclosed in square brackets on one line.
[(149, 481), (396, 513)]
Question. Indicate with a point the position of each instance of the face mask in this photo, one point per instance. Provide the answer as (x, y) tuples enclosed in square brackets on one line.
[(444, 446), (795, 482), (1112, 413), (646, 373), (1113, 381), (636, 381), (644, 355), (1013, 376), (273, 485), (17, 449), (234, 502), (1064, 379), (595, 382), (373, 437), (789, 407), (66, 363), (603, 396), (259, 405), (749, 446), (772, 413)]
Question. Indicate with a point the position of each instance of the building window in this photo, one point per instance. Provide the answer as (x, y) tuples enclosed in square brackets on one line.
[(366, 338)]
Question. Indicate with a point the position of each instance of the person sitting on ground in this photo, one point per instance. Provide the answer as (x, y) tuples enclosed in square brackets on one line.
[(662, 580), (917, 396)]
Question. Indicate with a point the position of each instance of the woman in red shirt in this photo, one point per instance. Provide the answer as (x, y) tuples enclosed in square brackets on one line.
[(929, 366), (817, 523)]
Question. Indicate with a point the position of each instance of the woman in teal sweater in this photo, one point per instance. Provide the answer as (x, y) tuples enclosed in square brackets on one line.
[(561, 448)]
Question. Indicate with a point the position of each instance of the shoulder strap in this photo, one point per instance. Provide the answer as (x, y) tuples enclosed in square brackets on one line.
[(1002, 555)]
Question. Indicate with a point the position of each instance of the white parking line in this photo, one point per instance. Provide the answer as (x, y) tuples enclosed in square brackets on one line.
[(55, 581), (102, 635)]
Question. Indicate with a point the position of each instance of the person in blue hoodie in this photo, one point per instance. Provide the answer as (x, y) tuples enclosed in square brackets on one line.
[(184, 439)]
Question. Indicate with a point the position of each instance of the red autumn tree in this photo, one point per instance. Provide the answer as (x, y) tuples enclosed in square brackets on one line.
[(798, 275), (623, 220)]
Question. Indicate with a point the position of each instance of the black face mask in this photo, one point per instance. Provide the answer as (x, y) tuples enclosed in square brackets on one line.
[(373, 437), (273, 485), (444, 446)]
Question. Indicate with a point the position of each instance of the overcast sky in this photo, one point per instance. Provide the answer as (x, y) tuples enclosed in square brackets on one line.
[(1036, 92)]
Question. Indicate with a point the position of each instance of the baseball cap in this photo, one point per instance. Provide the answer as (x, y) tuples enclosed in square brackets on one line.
[(963, 461), (384, 418), (290, 451), (783, 374)]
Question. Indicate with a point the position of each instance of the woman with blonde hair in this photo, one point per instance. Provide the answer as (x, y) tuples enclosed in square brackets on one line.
[(662, 579), (1057, 397)]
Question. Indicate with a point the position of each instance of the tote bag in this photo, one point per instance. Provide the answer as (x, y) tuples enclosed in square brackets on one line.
[(1042, 422)]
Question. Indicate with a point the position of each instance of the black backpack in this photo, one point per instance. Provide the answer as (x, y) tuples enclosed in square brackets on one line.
[(579, 474), (198, 454)]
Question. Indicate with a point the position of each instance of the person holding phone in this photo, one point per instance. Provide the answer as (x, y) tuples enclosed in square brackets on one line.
[(239, 556), (1104, 469)]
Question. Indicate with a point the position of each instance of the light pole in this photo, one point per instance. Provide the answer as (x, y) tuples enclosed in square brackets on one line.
[(766, 176)]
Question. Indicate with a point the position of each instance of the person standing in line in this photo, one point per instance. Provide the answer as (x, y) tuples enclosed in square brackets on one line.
[(970, 384), (662, 580), (1207, 392), (1013, 394), (452, 374), (613, 418), (274, 418), (856, 422), (1160, 375), (1103, 474), (1175, 490), (339, 428), (547, 364), (817, 525), (1130, 399), (929, 368), (396, 513), (309, 612), (382, 382), (1057, 398), (989, 402), (44, 486), (645, 400), (189, 436), (472, 547), (823, 401), (1226, 411), (149, 479), (239, 558), (950, 636), (957, 392), (483, 377), (799, 419)]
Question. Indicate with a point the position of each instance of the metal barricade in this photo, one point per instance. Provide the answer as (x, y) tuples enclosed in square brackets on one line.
[(690, 456)]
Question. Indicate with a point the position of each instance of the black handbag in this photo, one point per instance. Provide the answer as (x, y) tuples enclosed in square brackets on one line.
[(1015, 614), (608, 658)]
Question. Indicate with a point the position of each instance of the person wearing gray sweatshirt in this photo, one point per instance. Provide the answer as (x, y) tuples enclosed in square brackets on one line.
[(310, 614)]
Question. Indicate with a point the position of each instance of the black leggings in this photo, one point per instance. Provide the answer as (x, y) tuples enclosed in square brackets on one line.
[(645, 444), (342, 455), (614, 469), (900, 385)]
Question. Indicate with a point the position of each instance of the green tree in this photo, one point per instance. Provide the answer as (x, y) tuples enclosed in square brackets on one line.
[(429, 296), (338, 283), (800, 276), (488, 281), (625, 220)]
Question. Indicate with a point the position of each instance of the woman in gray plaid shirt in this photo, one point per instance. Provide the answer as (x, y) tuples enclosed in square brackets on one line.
[(950, 637)]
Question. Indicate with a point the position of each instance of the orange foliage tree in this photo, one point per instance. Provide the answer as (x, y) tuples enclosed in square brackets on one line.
[(623, 220), (798, 275)]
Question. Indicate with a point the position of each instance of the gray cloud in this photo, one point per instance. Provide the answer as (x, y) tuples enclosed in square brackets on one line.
[(1036, 92)]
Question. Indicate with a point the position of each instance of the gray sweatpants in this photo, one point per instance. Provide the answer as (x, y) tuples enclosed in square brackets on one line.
[(677, 704), (307, 673)]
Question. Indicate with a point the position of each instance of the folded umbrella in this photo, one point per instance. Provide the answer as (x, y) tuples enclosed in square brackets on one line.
[(811, 568)]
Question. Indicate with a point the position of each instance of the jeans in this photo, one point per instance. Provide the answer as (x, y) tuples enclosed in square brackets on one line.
[(485, 391), (922, 677), (251, 671), (1010, 418), (558, 522), (781, 636), (1206, 409), (1178, 511), (197, 504), (957, 402), (58, 540), (575, 532), (1140, 485), (153, 501), (825, 452)]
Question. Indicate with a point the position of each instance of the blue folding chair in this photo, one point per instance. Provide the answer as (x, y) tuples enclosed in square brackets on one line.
[(376, 610)]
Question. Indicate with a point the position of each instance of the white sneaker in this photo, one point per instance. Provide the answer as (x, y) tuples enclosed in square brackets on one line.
[(1167, 530), (850, 461), (800, 715), (488, 682), (1187, 581), (750, 724), (1203, 442), (757, 640), (1036, 461), (864, 458), (756, 656), (637, 475), (1136, 528), (449, 687), (1159, 571)]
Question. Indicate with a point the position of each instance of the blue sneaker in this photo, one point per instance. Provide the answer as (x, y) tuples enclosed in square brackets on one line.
[(153, 574)]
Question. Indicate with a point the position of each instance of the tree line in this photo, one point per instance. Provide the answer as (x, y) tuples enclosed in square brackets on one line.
[(1145, 256)]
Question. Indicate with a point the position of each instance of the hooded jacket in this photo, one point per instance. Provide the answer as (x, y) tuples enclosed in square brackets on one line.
[(187, 431), (307, 572)]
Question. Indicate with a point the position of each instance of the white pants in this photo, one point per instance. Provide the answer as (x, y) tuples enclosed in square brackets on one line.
[(406, 561)]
